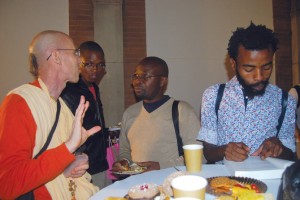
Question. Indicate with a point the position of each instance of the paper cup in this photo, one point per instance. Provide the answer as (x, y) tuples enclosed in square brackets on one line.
[(193, 157), (189, 186)]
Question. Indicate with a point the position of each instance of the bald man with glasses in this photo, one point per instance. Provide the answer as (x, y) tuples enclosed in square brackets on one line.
[(27, 115)]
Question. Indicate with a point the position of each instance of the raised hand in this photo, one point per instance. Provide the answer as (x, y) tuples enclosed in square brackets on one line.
[(79, 134)]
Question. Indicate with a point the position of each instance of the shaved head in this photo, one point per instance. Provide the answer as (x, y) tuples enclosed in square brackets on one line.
[(41, 47)]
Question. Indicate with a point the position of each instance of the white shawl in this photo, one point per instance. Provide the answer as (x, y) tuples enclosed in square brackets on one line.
[(43, 110)]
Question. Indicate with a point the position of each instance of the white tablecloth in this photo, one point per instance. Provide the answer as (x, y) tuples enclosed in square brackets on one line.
[(120, 188)]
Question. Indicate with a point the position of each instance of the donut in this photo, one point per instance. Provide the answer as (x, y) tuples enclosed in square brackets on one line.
[(145, 191), (166, 186)]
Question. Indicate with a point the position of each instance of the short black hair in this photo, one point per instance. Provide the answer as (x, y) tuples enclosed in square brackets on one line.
[(90, 46), (254, 37), (156, 62)]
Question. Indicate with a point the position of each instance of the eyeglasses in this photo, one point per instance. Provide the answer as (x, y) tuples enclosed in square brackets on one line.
[(90, 65), (143, 77), (76, 52)]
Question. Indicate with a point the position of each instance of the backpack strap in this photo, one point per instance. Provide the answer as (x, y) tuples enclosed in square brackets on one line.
[(219, 98), (284, 101), (297, 87), (175, 117)]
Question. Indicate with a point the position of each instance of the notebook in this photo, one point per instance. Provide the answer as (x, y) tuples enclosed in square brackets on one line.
[(254, 167)]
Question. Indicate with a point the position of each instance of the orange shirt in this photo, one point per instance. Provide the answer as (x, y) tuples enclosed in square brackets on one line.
[(19, 173)]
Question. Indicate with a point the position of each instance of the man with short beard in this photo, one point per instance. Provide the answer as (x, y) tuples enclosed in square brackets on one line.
[(245, 123), (148, 136)]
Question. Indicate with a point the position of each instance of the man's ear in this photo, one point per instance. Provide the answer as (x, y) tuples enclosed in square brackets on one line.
[(233, 64), (163, 81), (56, 56)]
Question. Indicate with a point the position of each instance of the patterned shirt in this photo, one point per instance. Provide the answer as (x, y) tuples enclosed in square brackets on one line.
[(251, 124)]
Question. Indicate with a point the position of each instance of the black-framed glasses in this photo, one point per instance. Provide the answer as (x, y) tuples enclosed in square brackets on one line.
[(144, 77), (76, 52), (90, 65)]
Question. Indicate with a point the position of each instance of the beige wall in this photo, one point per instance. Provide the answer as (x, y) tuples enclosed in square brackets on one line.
[(192, 37), (20, 21), (108, 14)]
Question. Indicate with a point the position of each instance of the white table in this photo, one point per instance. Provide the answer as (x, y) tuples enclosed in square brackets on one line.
[(120, 188)]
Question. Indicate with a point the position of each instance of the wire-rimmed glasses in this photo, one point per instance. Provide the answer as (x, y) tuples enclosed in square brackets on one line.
[(76, 52), (143, 77)]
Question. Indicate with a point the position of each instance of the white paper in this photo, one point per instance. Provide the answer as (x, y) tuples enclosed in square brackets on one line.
[(254, 167)]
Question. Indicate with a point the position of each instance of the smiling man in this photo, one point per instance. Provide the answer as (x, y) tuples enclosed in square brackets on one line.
[(245, 122)]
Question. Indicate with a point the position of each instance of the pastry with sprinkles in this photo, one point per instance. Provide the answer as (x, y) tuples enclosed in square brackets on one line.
[(145, 191)]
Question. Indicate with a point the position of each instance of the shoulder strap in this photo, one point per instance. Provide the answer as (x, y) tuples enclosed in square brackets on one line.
[(51, 132), (284, 100), (219, 98), (297, 87), (175, 116)]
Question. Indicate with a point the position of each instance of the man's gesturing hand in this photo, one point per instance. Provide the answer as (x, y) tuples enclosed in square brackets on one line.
[(79, 134)]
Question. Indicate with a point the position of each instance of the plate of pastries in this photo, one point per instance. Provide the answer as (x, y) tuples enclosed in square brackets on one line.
[(241, 188), (152, 191), (222, 187), (129, 169)]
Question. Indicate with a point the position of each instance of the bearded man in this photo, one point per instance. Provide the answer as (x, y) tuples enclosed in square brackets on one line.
[(148, 135), (246, 121)]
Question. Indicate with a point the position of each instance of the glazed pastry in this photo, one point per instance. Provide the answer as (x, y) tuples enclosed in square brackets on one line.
[(125, 165), (146, 191), (166, 186)]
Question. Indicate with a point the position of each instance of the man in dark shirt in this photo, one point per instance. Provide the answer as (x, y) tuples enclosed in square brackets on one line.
[(92, 69)]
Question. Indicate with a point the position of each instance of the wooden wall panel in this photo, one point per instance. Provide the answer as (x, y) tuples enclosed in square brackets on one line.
[(283, 58), (81, 21), (134, 38)]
